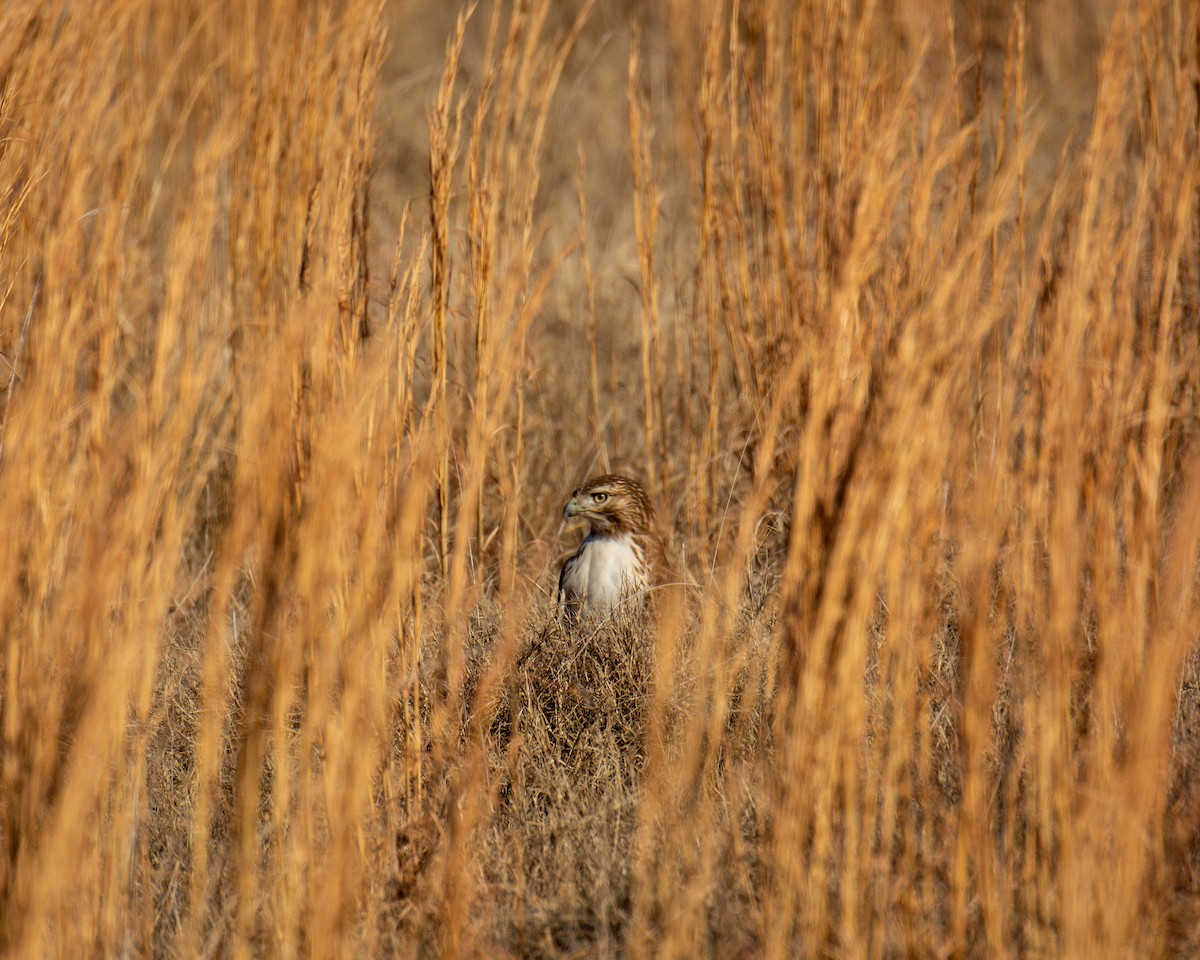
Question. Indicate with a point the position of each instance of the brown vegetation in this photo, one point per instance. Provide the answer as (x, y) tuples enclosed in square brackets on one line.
[(312, 314)]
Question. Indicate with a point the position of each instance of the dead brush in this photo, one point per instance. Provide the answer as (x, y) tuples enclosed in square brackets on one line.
[(569, 741), (915, 381)]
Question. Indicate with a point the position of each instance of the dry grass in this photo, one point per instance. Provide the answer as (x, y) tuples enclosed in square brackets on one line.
[(310, 316)]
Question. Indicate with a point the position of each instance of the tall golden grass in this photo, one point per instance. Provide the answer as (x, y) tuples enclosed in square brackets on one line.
[(912, 379)]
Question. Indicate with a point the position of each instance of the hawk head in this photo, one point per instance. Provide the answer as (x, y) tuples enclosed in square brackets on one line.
[(612, 505)]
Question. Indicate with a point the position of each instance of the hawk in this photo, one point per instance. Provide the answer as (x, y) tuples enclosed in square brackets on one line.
[(619, 558)]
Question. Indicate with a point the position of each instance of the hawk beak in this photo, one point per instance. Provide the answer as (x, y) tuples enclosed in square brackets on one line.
[(571, 509)]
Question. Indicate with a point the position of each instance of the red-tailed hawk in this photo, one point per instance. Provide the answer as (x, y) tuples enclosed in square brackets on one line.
[(620, 557)]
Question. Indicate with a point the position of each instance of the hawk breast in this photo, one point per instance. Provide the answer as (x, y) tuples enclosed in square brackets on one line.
[(603, 570)]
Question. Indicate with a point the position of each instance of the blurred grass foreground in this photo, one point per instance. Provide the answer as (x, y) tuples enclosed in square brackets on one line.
[(311, 316)]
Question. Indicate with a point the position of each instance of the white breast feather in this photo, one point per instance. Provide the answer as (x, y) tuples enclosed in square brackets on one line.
[(605, 569)]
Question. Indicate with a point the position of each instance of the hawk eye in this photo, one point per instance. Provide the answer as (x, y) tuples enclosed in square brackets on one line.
[(599, 497)]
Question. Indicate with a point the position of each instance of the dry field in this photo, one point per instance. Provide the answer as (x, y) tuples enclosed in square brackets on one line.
[(312, 314)]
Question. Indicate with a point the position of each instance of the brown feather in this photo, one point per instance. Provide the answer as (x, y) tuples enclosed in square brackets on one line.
[(622, 553)]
